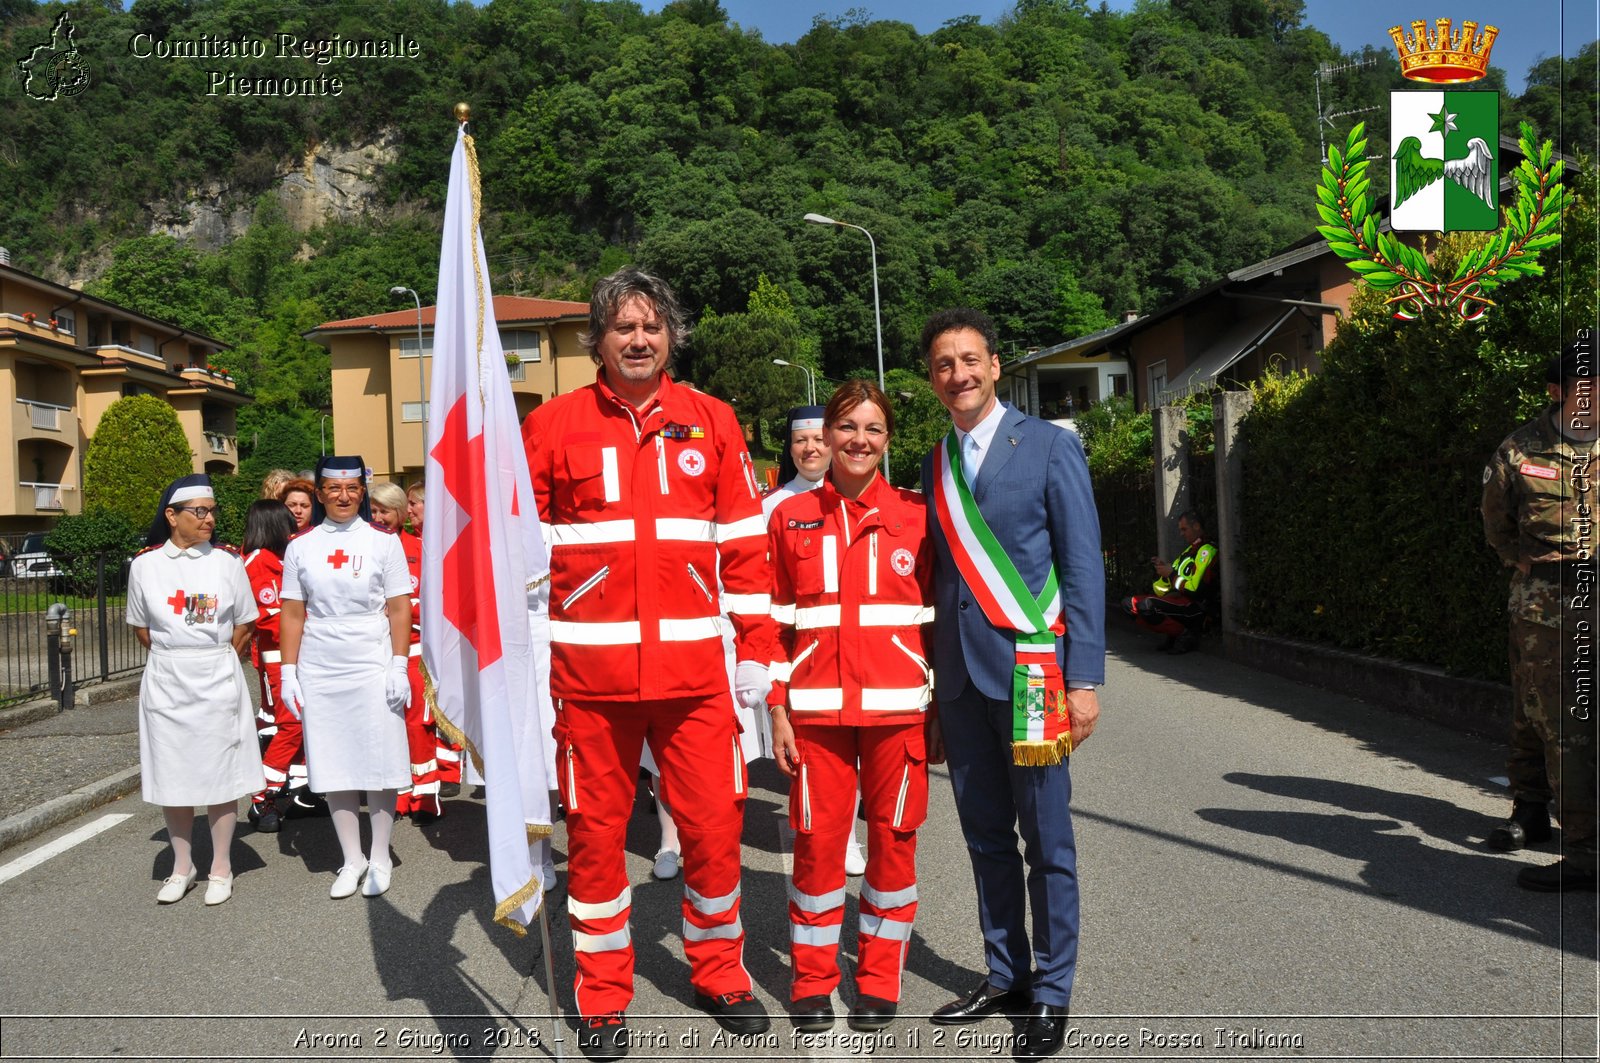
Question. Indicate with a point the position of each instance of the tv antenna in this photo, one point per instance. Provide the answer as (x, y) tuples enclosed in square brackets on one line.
[(1325, 119)]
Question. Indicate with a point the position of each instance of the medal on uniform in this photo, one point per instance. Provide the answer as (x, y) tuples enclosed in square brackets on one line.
[(355, 566), (188, 609), (211, 609)]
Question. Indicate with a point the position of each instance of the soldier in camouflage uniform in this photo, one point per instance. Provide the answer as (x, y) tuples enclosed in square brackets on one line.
[(1538, 514)]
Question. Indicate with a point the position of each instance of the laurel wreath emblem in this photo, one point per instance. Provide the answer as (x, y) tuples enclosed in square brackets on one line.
[(1346, 202)]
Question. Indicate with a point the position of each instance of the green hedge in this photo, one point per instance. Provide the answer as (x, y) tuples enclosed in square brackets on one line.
[(1362, 483)]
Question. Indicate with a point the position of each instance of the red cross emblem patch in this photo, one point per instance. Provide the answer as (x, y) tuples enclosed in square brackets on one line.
[(691, 461)]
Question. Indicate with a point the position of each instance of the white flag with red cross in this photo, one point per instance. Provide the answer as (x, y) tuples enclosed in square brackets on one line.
[(482, 552)]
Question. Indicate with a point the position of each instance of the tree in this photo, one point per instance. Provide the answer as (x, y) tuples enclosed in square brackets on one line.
[(138, 448)]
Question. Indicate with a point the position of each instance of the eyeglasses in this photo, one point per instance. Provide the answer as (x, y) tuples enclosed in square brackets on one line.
[(200, 512), (342, 492)]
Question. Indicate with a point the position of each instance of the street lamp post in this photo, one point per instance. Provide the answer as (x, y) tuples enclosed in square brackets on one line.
[(811, 381), (422, 389), (877, 314)]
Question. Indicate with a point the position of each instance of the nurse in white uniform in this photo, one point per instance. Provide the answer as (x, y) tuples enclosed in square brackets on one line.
[(346, 628), (190, 605)]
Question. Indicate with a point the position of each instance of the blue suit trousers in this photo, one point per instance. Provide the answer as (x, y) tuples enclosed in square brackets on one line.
[(996, 801)]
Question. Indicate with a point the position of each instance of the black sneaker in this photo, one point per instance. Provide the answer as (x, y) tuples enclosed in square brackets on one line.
[(449, 789), (264, 816), (603, 1037), (739, 1012), (307, 805)]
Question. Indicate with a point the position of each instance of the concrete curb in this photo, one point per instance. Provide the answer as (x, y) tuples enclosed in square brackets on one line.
[(97, 693), (58, 810)]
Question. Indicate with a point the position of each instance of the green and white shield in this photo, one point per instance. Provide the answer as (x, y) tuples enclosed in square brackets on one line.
[(1444, 167)]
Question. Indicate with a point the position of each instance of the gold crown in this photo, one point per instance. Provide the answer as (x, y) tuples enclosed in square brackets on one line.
[(1442, 56)]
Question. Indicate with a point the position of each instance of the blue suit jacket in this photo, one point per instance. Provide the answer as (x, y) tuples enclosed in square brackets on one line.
[(1033, 491)]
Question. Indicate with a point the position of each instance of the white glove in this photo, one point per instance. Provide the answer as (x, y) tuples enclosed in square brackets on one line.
[(289, 691), (397, 686), (751, 684)]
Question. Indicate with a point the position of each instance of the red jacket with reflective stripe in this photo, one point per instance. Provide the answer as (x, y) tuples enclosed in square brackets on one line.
[(852, 595), (412, 547), (265, 570), (643, 513)]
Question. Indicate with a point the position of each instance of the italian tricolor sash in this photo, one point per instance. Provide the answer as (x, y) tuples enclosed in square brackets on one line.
[(1041, 731)]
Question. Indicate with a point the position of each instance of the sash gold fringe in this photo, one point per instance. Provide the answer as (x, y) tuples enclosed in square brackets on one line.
[(1041, 754), (503, 910)]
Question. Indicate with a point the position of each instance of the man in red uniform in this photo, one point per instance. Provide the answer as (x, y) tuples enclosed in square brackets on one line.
[(648, 495)]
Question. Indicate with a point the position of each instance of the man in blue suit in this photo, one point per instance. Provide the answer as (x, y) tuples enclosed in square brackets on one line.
[(1029, 482)]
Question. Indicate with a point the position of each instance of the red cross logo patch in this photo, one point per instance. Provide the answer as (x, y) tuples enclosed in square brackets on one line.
[(691, 461)]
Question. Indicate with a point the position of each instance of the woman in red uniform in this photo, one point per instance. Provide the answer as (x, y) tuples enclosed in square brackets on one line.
[(268, 527), (421, 802), (851, 601)]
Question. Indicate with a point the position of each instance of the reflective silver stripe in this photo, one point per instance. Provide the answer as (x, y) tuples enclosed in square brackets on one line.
[(894, 699), (872, 568), (815, 616), (921, 661), (756, 604), (783, 614), (883, 615), (900, 799), (698, 582), (711, 905), (622, 633), (779, 671), (742, 529), (608, 473), (425, 767), (826, 699), (888, 898), (271, 656), (685, 529), (888, 929), (416, 650), (273, 774), (617, 939), (801, 934), (690, 629), (449, 756), (591, 533), (711, 933), (830, 560), (805, 796), (817, 902), (426, 788), (587, 910)]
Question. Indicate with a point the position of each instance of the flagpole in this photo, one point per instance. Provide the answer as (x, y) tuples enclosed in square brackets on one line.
[(550, 977)]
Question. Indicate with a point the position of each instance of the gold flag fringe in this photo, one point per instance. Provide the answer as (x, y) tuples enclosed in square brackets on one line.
[(1041, 754)]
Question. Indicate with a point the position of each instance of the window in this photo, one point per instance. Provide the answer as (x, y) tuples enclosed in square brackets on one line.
[(519, 372), (408, 346), (520, 342), (1119, 384), (146, 343), (67, 321), (413, 411), (1157, 376)]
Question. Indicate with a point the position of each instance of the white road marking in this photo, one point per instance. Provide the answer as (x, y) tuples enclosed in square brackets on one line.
[(60, 845)]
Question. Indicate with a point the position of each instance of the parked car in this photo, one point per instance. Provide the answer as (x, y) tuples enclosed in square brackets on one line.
[(31, 560)]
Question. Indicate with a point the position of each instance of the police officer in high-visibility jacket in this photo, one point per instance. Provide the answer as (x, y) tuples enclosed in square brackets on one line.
[(852, 593), (647, 494)]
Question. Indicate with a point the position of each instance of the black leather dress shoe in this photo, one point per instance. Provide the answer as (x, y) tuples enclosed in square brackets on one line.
[(603, 1038), (1529, 825), (812, 1014), (735, 1012), (984, 1002), (872, 1013), (1042, 1034), (1563, 876)]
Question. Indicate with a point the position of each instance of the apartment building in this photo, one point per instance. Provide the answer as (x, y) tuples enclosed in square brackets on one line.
[(65, 357), (379, 387)]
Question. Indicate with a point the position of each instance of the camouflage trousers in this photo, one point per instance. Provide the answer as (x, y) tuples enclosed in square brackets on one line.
[(1554, 737)]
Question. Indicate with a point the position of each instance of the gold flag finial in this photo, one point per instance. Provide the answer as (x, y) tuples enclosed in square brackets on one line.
[(463, 112)]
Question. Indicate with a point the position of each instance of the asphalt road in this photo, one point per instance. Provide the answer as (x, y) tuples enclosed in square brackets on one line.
[(1268, 871)]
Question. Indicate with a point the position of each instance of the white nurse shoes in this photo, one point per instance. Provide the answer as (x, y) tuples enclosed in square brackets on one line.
[(174, 887), (377, 883), (347, 881), (218, 888)]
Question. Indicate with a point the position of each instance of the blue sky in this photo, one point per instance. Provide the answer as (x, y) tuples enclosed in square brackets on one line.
[(1529, 29)]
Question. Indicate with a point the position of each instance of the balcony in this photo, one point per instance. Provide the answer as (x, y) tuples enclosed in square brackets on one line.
[(48, 498), (44, 416), (40, 325), (221, 443)]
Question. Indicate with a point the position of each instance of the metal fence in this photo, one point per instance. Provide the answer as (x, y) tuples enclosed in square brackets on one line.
[(1128, 525), (93, 589)]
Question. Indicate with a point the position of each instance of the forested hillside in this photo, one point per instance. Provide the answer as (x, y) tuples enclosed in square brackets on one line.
[(1056, 169)]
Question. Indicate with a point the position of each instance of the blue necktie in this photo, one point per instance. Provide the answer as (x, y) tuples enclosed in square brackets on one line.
[(970, 457)]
